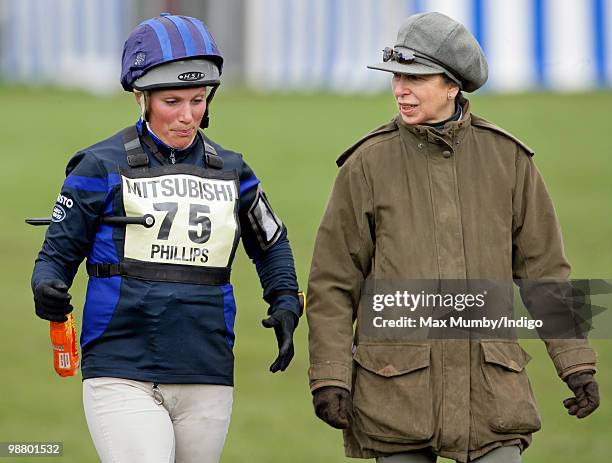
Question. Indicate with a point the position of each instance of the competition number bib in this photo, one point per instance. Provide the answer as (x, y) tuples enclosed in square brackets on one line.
[(195, 219)]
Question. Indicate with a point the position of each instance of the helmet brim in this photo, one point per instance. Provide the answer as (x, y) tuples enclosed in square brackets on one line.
[(181, 73), (413, 68)]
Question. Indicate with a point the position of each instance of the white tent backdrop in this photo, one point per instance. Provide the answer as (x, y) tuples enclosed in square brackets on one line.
[(316, 44)]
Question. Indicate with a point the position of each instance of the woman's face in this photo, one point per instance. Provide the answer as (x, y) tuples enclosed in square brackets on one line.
[(424, 99), (175, 114)]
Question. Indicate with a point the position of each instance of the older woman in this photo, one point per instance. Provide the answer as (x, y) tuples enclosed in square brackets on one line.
[(158, 323), (436, 194)]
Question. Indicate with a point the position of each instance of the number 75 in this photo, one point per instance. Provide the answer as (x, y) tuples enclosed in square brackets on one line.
[(200, 233)]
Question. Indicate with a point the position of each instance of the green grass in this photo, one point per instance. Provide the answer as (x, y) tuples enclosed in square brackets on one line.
[(291, 141)]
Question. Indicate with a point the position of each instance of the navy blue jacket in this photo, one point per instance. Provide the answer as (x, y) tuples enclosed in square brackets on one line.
[(157, 331)]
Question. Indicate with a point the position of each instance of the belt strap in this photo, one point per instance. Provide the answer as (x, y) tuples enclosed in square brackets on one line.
[(161, 272), (103, 270)]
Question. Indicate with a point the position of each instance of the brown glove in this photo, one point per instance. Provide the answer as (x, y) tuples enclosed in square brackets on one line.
[(333, 404), (586, 392)]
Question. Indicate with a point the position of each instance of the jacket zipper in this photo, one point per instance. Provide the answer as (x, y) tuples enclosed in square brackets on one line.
[(172, 157), (158, 397)]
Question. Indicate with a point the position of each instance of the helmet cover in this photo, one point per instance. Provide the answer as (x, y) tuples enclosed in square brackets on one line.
[(170, 39)]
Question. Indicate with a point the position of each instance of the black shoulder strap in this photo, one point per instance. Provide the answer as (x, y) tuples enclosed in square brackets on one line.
[(212, 158), (136, 157)]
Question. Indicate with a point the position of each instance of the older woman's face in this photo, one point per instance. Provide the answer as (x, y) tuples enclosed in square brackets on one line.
[(424, 99), (175, 114)]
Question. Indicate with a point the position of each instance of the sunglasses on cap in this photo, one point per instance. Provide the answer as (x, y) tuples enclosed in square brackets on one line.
[(389, 54), (408, 57)]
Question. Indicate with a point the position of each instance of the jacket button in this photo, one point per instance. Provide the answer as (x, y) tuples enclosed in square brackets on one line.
[(447, 154), (420, 145)]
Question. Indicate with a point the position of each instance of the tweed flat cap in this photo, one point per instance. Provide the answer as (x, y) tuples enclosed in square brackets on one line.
[(433, 43)]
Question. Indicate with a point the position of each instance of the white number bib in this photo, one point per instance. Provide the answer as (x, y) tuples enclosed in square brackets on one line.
[(195, 216)]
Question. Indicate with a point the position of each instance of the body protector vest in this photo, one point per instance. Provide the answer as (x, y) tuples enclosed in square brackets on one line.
[(181, 221)]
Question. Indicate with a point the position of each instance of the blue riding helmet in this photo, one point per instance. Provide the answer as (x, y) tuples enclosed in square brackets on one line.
[(171, 51)]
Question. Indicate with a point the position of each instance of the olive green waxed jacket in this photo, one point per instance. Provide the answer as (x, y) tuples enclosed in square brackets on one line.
[(411, 202)]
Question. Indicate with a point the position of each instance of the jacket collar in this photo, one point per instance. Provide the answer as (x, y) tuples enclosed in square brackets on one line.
[(449, 133), (164, 149)]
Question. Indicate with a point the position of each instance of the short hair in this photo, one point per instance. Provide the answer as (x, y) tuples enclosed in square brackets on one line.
[(450, 81)]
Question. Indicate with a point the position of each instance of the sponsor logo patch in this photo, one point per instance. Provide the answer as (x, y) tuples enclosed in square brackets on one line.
[(64, 201), (140, 59), (58, 213), (190, 76)]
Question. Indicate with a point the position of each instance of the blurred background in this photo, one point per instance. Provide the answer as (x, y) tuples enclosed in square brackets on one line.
[(295, 94), (310, 44)]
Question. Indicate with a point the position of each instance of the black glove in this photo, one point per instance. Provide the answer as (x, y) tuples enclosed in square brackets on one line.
[(284, 323), (52, 301), (332, 404), (586, 392)]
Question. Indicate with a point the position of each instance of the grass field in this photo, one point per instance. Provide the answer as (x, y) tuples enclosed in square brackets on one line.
[(291, 142)]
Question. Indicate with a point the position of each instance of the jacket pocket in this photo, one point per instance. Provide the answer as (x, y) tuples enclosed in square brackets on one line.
[(508, 393), (392, 397)]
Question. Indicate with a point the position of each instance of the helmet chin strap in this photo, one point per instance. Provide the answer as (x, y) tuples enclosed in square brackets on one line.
[(210, 94)]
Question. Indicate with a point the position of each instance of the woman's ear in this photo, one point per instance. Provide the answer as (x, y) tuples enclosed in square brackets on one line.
[(453, 91)]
